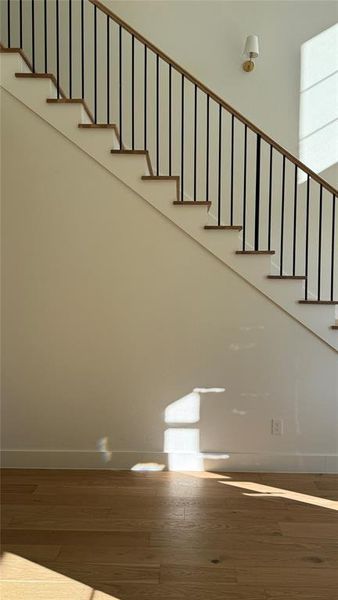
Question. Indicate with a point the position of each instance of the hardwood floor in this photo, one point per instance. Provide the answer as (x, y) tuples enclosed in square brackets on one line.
[(95, 535)]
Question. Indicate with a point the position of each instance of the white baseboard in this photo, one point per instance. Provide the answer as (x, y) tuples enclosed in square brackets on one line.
[(94, 459)]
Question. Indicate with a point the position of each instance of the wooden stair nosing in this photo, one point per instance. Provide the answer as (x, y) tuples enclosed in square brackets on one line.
[(71, 101), (34, 75), (160, 177), (301, 277), (144, 152), (224, 227), (192, 203), (318, 302), (42, 76), (334, 327), (97, 125), (253, 252)]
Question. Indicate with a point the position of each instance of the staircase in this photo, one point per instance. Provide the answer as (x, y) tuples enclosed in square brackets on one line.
[(198, 161)]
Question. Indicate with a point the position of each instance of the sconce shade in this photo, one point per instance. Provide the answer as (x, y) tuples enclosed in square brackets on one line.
[(252, 46)]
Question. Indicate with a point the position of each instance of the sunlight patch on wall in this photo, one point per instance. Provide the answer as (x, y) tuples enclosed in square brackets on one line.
[(184, 410), (181, 440), (182, 444), (102, 446), (318, 119)]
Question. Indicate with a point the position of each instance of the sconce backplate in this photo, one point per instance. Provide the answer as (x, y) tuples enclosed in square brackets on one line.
[(248, 66)]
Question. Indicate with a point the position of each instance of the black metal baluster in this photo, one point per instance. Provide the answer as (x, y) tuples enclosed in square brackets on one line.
[(82, 52), (282, 219), (57, 49), (320, 240), (133, 92), (33, 35), (145, 98), (9, 23), (70, 48), (258, 190), (20, 24), (45, 34), (157, 116), (244, 183), (182, 138), (207, 151), (295, 221), (333, 245), (270, 197), (120, 87), (108, 70), (95, 64), (232, 171), (169, 121), (219, 165), (195, 144), (307, 235)]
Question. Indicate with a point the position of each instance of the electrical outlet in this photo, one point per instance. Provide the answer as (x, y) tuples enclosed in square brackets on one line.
[(277, 426)]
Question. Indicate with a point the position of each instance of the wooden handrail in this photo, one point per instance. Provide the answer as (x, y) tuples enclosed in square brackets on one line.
[(215, 97)]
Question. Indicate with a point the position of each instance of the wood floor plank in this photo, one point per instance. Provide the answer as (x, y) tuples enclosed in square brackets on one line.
[(306, 593), (97, 575), (279, 577), (233, 553), (185, 592), (16, 488), (326, 531), (86, 538), (177, 574), (98, 535)]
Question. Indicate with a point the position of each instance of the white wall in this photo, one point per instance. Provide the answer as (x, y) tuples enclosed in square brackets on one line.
[(207, 37), (111, 313)]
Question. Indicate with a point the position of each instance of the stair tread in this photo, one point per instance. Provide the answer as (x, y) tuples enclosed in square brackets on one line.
[(97, 125), (318, 301), (286, 276), (160, 177), (255, 252), (35, 75), (127, 151), (192, 202), (224, 227)]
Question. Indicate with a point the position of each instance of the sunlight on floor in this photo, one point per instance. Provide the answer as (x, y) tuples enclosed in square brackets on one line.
[(266, 490), (22, 579), (206, 475), (148, 467)]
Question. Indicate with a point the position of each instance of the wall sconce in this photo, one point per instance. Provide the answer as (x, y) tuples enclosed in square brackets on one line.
[(252, 51)]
